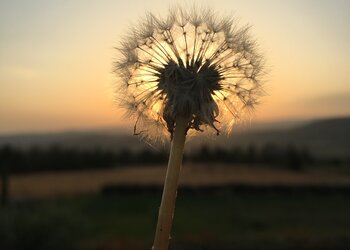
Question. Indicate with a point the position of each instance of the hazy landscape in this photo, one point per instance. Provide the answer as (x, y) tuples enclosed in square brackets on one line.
[(326, 137), (247, 203)]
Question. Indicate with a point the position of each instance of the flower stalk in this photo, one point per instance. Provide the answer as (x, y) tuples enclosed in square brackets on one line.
[(167, 206), (191, 71)]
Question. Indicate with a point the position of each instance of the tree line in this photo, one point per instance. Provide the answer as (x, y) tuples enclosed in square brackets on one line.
[(55, 158), (14, 160)]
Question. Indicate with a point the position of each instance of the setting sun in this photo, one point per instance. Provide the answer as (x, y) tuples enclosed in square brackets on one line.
[(56, 60)]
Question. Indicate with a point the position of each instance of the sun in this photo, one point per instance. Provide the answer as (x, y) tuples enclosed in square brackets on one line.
[(192, 65)]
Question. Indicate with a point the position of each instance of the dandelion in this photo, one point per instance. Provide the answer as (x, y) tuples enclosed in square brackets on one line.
[(191, 71)]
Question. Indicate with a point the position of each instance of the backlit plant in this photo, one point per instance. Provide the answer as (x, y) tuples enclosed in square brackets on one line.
[(190, 71)]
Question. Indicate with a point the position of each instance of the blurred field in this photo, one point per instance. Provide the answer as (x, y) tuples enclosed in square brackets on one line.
[(73, 211), (72, 183), (222, 220)]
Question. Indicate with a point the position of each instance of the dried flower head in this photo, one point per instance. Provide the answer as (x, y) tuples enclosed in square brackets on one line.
[(191, 64)]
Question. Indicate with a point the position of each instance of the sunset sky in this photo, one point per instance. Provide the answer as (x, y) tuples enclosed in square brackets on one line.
[(56, 59)]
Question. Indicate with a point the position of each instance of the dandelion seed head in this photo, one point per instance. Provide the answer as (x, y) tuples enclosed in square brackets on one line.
[(190, 64)]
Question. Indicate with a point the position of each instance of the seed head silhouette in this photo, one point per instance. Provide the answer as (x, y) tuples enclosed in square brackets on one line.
[(190, 64)]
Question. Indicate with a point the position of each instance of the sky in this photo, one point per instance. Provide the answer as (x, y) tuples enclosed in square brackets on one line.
[(56, 59)]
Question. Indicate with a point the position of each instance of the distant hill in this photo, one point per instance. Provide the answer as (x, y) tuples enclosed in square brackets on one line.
[(328, 137), (107, 140)]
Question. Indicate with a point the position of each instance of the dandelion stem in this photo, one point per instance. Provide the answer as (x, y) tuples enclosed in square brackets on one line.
[(167, 206)]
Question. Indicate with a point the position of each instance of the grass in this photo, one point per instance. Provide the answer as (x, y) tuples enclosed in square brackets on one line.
[(73, 183), (218, 220), (244, 220)]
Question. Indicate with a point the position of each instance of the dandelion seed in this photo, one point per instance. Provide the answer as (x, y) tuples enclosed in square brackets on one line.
[(188, 65), (192, 70)]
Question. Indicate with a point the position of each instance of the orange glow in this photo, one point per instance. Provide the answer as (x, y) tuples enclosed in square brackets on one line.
[(56, 60)]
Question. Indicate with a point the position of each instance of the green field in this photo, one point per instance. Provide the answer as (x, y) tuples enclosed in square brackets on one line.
[(216, 220)]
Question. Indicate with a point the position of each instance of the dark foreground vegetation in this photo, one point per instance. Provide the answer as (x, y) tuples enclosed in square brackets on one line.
[(222, 219), (35, 159)]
